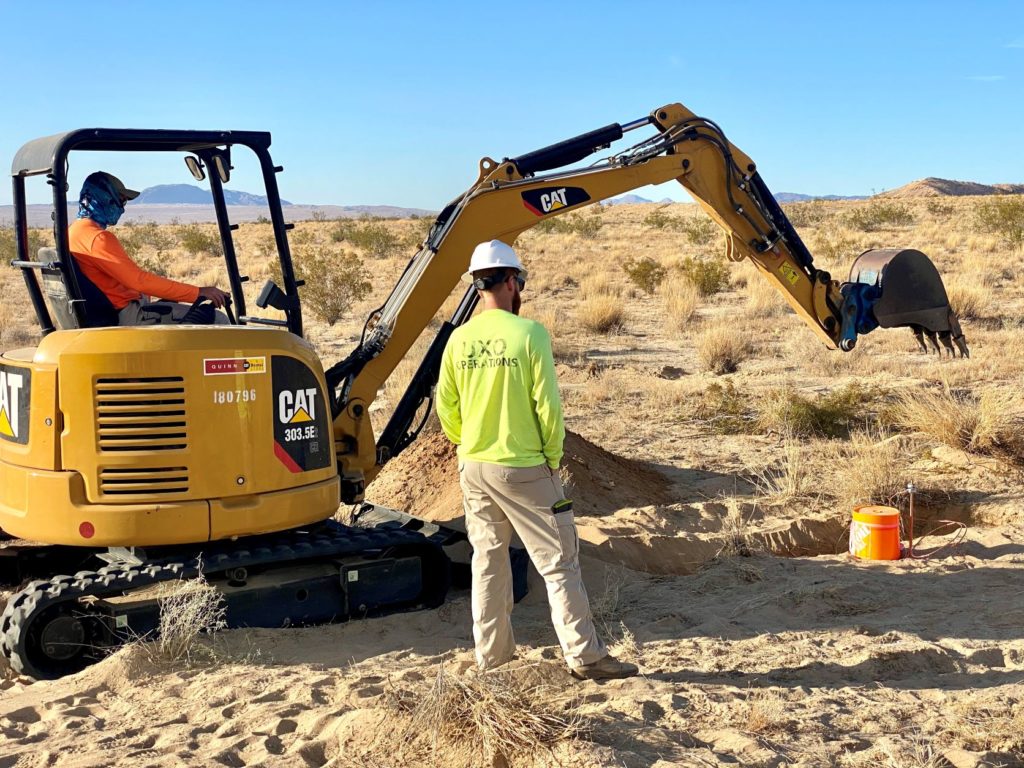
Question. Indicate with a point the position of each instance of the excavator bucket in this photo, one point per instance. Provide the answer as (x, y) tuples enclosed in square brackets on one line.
[(912, 295)]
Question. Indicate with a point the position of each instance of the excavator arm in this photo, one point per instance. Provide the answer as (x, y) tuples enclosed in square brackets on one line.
[(888, 288)]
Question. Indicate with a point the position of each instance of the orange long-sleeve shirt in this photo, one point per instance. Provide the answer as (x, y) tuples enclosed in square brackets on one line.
[(103, 260)]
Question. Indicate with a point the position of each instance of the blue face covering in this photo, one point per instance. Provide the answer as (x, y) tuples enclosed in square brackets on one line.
[(98, 201)]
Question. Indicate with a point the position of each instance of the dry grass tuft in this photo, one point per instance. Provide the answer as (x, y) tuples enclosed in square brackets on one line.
[(602, 313), (968, 300), (599, 284), (990, 424), (720, 349), (764, 299), (873, 469), (681, 299), (788, 479), (188, 610), (766, 713), (503, 715)]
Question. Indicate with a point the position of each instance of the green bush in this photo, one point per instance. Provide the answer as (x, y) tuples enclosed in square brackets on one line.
[(710, 277), (334, 280), (552, 225), (585, 225), (646, 273), (805, 214), (134, 239), (370, 236), (658, 219), (724, 409), (195, 239), (699, 230), (879, 214), (1003, 216), (828, 415), (939, 208)]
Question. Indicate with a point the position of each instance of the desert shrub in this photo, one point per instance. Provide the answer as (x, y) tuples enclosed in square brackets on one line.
[(968, 300), (602, 313), (318, 215), (879, 214), (724, 409), (586, 226), (991, 423), (805, 214), (710, 277), (195, 239), (370, 236), (151, 264), (150, 236), (646, 273), (699, 230), (334, 280), (681, 299), (1003, 216), (188, 609), (720, 349), (939, 208), (835, 245), (658, 219), (7, 244), (829, 415), (551, 225)]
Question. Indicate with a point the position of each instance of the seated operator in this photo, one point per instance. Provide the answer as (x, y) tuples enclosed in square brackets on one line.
[(102, 259)]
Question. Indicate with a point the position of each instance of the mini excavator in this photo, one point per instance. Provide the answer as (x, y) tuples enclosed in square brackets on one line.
[(133, 456)]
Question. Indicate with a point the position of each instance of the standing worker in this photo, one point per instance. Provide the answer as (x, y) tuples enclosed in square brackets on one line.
[(497, 399), (103, 260)]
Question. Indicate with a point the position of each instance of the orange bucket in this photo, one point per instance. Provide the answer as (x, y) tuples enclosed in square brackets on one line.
[(875, 533)]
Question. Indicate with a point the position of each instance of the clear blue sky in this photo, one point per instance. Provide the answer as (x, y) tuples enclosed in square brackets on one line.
[(395, 102)]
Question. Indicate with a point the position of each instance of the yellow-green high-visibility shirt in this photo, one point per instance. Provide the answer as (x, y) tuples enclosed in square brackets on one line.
[(497, 396)]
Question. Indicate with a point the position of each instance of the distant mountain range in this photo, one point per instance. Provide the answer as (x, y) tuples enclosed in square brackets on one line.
[(630, 199), (796, 197), (189, 194), (782, 197)]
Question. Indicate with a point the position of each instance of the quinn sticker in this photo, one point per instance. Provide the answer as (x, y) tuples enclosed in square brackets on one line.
[(231, 366)]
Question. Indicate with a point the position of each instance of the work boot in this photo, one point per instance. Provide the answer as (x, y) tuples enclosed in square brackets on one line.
[(608, 668)]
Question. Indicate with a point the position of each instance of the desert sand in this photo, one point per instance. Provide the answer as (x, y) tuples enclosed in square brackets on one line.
[(714, 531)]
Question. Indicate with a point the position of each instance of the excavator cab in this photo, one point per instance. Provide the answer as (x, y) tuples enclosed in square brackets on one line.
[(73, 301), (147, 454)]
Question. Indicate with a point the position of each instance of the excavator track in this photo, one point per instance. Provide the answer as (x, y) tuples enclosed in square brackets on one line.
[(61, 625)]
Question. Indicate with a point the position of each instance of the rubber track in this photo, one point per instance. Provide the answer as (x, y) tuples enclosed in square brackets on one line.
[(288, 547)]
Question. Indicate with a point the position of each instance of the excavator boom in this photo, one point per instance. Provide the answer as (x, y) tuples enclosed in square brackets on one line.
[(891, 288)]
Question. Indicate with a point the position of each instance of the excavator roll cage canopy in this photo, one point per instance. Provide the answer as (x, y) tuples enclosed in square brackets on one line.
[(203, 150)]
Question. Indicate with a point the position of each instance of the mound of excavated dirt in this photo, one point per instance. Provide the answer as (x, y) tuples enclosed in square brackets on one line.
[(627, 513), (424, 480)]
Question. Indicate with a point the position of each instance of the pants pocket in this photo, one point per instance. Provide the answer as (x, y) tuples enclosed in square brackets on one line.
[(568, 536)]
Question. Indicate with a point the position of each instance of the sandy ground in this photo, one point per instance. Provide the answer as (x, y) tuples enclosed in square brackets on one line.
[(758, 660), (760, 642)]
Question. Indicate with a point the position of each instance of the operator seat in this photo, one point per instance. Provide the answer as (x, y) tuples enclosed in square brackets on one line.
[(99, 312)]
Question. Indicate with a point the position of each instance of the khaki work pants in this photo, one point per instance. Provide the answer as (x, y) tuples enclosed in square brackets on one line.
[(134, 313), (499, 500)]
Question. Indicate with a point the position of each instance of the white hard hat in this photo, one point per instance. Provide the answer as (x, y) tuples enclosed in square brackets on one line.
[(493, 253)]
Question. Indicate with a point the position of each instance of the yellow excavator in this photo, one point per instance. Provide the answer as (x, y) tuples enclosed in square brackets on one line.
[(133, 456)]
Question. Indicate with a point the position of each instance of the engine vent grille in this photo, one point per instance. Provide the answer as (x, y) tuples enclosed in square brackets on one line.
[(141, 415), (143, 481)]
